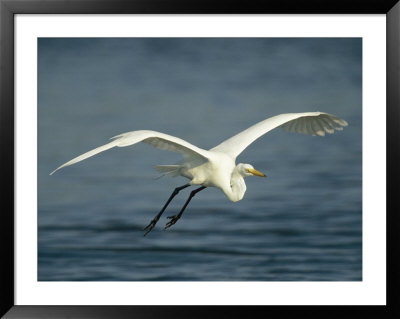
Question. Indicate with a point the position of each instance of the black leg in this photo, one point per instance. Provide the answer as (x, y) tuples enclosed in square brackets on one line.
[(175, 218), (150, 226)]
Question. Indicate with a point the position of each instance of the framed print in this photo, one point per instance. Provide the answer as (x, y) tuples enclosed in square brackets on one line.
[(103, 235)]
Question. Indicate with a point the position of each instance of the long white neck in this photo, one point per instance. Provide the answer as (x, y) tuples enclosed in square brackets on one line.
[(237, 186)]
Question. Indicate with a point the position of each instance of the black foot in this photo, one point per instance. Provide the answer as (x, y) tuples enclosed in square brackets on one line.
[(173, 220), (150, 226)]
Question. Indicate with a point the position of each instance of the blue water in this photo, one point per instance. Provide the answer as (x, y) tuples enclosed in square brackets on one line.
[(302, 223)]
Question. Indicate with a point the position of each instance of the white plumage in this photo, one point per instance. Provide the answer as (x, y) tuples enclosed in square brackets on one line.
[(216, 167)]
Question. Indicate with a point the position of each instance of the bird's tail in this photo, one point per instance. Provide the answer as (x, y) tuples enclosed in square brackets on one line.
[(171, 170)]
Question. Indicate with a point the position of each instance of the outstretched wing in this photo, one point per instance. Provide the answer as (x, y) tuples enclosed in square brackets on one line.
[(311, 123), (156, 139)]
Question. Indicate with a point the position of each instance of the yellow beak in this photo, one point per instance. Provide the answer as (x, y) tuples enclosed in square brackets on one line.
[(256, 173)]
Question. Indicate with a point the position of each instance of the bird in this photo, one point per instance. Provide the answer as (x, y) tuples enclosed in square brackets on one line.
[(217, 166)]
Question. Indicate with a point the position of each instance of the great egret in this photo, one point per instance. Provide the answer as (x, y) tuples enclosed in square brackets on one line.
[(216, 167)]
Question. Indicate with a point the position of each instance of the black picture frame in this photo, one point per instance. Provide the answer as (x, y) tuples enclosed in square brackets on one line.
[(8, 10)]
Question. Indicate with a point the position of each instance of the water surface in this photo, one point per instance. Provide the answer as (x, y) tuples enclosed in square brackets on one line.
[(302, 223)]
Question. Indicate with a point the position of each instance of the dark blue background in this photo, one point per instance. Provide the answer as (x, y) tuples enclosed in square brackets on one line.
[(304, 222)]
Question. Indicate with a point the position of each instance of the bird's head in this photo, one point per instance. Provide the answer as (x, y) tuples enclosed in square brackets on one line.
[(248, 170)]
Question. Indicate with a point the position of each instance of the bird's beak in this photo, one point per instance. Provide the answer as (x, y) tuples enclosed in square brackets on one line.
[(256, 173)]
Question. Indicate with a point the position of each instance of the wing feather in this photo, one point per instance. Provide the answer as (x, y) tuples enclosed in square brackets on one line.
[(310, 123), (318, 128), (291, 127), (299, 126), (303, 125), (328, 127), (159, 140), (312, 127)]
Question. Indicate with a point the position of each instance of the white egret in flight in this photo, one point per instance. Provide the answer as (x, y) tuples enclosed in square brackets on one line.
[(216, 167)]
